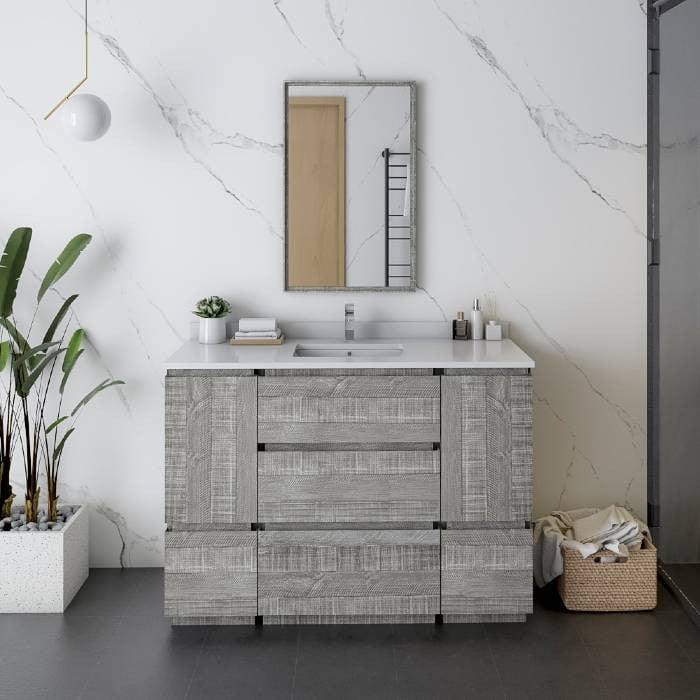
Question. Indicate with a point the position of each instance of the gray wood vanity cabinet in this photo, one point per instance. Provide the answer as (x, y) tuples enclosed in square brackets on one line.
[(387, 495)]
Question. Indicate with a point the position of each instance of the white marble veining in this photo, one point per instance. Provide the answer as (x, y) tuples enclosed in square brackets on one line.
[(531, 186), (415, 354)]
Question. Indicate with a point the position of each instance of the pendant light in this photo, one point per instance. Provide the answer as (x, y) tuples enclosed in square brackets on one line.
[(85, 117)]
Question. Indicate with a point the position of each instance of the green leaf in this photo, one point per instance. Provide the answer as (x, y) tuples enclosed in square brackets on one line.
[(18, 338), (31, 353), (102, 385), (11, 266), (59, 447), (67, 374), (5, 351), (64, 262), (51, 330), (71, 357), (56, 423), (24, 387), (73, 347), (22, 347)]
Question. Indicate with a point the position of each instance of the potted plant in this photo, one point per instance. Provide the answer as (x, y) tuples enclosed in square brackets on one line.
[(212, 312), (43, 549)]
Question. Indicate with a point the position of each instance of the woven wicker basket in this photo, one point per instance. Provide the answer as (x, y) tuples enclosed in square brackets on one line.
[(589, 584)]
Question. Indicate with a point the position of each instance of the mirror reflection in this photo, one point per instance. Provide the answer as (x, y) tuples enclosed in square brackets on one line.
[(350, 183)]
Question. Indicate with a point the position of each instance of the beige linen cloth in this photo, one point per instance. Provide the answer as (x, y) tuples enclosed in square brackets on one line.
[(588, 530)]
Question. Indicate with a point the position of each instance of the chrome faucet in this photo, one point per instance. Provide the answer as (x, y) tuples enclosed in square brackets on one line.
[(349, 321)]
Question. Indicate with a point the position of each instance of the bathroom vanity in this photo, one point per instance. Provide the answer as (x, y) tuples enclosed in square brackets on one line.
[(307, 486)]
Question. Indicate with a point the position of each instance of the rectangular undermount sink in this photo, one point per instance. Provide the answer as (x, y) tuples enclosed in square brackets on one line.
[(349, 350)]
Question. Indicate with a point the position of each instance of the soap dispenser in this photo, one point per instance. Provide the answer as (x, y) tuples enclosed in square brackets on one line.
[(477, 322)]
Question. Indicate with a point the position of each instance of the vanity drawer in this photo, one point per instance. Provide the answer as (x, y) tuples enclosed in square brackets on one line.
[(211, 575), (349, 486), (486, 572), (348, 409), (349, 572)]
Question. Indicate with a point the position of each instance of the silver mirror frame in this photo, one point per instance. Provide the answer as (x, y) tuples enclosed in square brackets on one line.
[(411, 287)]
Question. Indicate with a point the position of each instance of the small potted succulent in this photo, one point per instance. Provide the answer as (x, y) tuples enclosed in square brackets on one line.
[(212, 312)]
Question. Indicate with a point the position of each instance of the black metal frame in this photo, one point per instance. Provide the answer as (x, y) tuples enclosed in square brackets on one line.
[(388, 177), (653, 13)]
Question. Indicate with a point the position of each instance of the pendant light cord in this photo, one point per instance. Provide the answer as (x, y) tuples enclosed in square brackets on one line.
[(85, 76)]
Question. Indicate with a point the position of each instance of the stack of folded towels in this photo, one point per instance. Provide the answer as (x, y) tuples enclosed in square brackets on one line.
[(258, 328)]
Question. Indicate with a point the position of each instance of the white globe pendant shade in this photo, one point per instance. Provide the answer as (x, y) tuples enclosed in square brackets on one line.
[(86, 117)]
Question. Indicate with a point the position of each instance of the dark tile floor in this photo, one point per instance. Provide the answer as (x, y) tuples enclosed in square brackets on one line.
[(114, 643), (685, 578)]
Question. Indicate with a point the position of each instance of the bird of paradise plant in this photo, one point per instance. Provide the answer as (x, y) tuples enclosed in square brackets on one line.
[(33, 369)]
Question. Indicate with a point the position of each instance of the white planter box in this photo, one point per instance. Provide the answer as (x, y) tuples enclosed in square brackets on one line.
[(40, 572)]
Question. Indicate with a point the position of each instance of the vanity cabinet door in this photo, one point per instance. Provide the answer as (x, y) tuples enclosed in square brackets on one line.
[(349, 409), (349, 486), (486, 572), (486, 448), (349, 572), (210, 576), (210, 450)]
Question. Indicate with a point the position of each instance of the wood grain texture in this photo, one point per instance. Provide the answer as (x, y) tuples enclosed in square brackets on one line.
[(480, 619), (348, 410), (210, 372), (316, 191), (210, 574), (345, 486), (213, 620), (339, 409), (210, 450), (296, 433), (348, 619), (349, 572), (340, 387), (351, 446), (357, 525), (486, 448), (349, 372), (498, 450), (488, 372), (521, 426), (486, 572)]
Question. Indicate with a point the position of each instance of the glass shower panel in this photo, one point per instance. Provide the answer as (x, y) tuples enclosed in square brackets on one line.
[(679, 291)]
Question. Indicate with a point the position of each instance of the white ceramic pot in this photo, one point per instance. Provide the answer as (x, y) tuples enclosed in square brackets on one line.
[(40, 572), (212, 330)]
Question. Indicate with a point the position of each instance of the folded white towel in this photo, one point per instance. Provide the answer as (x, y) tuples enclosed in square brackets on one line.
[(585, 550), (601, 525), (247, 325), (259, 334)]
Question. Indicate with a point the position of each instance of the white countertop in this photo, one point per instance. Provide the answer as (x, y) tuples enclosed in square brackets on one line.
[(417, 354)]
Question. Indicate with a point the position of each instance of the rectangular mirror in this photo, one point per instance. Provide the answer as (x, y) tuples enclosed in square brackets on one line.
[(350, 185)]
